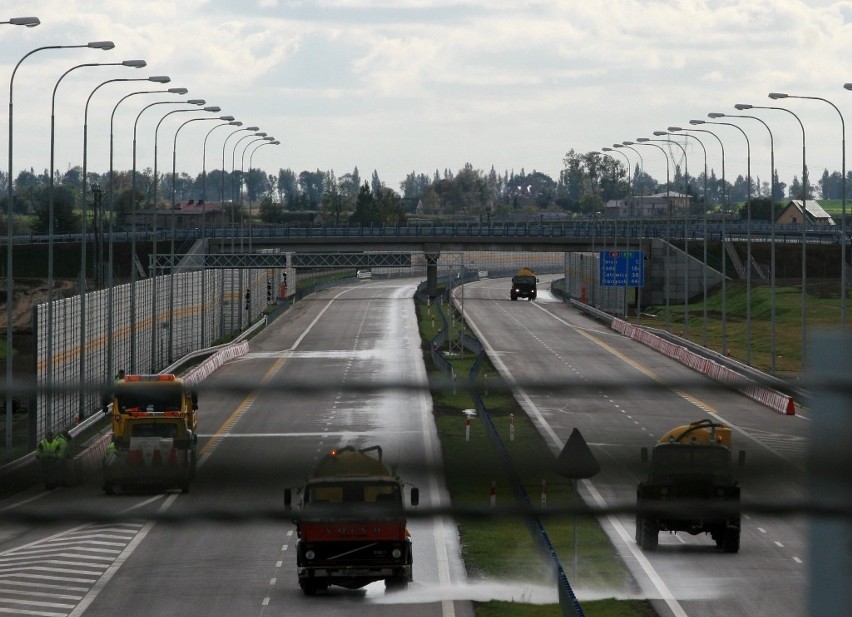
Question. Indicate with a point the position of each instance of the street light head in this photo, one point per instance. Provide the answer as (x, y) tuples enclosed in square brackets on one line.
[(742, 106), (642, 139), (659, 133), (260, 134), (627, 143), (675, 129), (29, 22), (160, 79), (196, 102), (177, 90), (270, 138), (848, 86), (228, 118), (694, 122), (607, 149), (136, 64), (213, 108), (252, 128), (235, 123), (101, 45), (715, 114), (778, 95), (275, 143), (594, 152)]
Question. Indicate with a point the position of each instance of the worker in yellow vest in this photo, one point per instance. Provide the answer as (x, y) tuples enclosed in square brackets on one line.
[(48, 452)]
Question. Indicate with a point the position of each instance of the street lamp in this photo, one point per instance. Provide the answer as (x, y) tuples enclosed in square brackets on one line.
[(685, 236), (111, 202), (10, 281), (174, 210), (742, 106), (204, 165), (248, 189), (677, 129), (772, 235), (29, 22), (644, 141), (154, 314), (725, 207), (50, 229), (133, 226), (780, 95), (748, 232)]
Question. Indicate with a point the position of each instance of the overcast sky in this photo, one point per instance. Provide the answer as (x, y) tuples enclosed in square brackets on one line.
[(417, 85)]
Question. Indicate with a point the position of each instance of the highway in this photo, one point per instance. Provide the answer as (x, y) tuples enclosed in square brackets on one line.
[(252, 447), (686, 575)]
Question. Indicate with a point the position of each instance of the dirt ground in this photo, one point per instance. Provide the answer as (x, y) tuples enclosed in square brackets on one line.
[(29, 293)]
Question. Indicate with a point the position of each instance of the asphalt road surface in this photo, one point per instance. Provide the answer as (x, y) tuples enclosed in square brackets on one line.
[(252, 446), (686, 575)]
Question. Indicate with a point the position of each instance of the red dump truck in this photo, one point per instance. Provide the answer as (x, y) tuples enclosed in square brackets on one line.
[(351, 523)]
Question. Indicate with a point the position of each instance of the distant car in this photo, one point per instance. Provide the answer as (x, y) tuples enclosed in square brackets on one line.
[(364, 274)]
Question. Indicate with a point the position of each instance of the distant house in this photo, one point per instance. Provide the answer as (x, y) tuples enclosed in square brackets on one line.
[(190, 214), (813, 214), (648, 206)]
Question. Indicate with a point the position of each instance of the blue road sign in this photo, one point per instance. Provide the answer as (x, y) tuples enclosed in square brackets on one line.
[(622, 268)]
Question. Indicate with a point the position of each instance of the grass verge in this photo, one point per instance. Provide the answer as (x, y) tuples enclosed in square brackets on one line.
[(502, 549)]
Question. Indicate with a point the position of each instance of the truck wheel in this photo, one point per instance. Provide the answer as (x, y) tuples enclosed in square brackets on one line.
[(514, 298), (730, 540), (647, 534), (396, 583), (311, 587)]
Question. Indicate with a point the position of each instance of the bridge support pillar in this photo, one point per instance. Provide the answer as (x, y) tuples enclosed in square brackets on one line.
[(432, 274)]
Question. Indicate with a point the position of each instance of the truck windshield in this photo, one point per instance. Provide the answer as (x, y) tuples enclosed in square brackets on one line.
[(525, 280), (386, 493), (156, 397)]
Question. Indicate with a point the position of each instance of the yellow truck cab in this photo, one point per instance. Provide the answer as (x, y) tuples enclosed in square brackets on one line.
[(154, 426)]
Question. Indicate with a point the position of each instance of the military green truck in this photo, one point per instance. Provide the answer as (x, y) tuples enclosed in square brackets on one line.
[(523, 285), (690, 487)]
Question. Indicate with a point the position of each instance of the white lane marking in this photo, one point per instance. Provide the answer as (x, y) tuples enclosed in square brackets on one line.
[(120, 560), (525, 401)]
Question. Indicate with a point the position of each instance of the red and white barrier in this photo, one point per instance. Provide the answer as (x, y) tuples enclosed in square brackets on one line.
[(778, 401), (203, 370)]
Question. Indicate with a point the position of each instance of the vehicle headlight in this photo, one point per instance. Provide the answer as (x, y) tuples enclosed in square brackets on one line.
[(396, 553), (310, 554)]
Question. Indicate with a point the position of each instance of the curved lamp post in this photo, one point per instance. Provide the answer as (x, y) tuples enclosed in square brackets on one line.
[(725, 208), (742, 106), (154, 314), (29, 22), (163, 79), (685, 236), (133, 353), (10, 281), (748, 232), (677, 129), (248, 190), (644, 141), (50, 228), (174, 209), (772, 235), (781, 95)]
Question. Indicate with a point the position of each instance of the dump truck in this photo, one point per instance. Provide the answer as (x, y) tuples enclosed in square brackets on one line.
[(690, 487), (523, 285), (154, 437), (351, 524)]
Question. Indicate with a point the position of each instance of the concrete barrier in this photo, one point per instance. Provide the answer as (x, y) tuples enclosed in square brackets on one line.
[(775, 400)]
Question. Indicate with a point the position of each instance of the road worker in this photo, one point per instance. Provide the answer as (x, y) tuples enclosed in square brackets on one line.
[(48, 453)]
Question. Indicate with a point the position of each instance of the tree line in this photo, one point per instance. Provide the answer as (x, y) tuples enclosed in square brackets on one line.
[(586, 182)]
